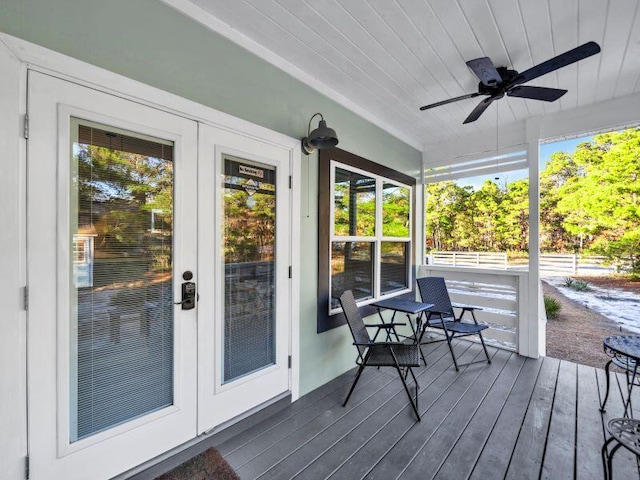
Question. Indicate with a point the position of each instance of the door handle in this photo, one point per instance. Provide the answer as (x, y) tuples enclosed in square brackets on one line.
[(188, 301)]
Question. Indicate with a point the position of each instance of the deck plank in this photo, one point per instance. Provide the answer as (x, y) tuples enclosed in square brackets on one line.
[(450, 408), (529, 450), (559, 457), (264, 451), (243, 432), (365, 458), (472, 439), (589, 433), (327, 450), (518, 418)]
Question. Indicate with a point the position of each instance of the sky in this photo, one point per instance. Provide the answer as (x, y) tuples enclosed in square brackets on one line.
[(546, 150)]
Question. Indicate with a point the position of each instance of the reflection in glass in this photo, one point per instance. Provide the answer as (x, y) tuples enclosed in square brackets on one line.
[(395, 210), (354, 204), (394, 266), (121, 356), (249, 275), (351, 269)]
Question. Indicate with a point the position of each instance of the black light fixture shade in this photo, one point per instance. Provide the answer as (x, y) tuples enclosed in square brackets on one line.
[(321, 138)]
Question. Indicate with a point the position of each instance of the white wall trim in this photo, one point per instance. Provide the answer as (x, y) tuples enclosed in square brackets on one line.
[(296, 268), (212, 22)]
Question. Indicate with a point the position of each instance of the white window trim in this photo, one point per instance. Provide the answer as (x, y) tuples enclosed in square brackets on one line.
[(377, 239)]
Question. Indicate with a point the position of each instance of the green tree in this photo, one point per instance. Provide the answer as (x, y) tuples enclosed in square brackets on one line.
[(601, 202)]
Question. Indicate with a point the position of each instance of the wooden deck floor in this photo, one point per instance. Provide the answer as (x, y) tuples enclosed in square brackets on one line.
[(517, 418)]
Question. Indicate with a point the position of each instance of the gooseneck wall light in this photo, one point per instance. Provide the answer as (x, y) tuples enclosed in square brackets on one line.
[(322, 137)]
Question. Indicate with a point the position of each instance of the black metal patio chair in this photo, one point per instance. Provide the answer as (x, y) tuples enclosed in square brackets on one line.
[(401, 356), (442, 316)]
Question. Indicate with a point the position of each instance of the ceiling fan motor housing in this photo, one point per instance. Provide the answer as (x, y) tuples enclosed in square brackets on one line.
[(497, 88)]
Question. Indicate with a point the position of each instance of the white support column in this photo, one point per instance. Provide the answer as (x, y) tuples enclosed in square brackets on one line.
[(532, 333)]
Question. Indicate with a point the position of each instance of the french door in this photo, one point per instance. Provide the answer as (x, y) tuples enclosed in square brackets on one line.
[(125, 219), (243, 186)]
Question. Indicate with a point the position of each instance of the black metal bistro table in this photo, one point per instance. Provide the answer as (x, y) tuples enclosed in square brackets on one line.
[(409, 307), (624, 351)]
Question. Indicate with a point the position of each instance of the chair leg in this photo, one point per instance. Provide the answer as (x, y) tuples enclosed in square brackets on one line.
[(485, 348), (446, 334), (414, 405), (353, 385), (610, 460), (605, 458), (606, 395)]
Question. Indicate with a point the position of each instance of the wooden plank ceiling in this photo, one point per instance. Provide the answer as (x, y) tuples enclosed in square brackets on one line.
[(386, 58)]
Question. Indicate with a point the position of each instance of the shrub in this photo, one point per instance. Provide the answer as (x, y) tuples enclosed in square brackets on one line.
[(578, 285), (552, 306)]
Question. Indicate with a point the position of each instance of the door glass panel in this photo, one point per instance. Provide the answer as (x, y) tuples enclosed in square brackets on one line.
[(249, 273), (121, 236)]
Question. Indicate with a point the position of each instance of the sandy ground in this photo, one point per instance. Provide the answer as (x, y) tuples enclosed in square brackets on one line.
[(577, 333)]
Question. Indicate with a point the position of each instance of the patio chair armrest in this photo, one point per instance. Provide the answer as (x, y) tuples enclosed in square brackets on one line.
[(464, 306)]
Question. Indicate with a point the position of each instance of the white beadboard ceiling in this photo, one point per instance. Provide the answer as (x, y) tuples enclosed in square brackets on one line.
[(383, 59)]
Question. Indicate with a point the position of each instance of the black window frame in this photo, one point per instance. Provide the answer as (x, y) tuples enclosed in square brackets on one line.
[(325, 320)]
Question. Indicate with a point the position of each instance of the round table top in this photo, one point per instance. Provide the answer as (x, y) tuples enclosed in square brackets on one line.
[(628, 345)]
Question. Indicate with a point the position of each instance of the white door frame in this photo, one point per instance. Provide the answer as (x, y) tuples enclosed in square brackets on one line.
[(26, 55)]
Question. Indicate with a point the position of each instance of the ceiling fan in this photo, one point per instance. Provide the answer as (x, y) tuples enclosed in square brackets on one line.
[(495, 83)]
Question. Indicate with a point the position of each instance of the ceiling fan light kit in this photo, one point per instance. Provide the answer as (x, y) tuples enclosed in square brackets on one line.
[(495, 83)]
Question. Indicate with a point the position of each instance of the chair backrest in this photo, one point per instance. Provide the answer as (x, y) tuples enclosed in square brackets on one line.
[(434, 290), (354, 320)]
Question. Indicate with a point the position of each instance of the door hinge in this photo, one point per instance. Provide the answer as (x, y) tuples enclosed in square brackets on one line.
[(25, 129), (25, 297), (290, 181), (26, 467), (289, 361), (290, 271)]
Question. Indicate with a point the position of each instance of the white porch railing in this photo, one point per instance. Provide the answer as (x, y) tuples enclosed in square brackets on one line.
[(469, 259), (501, 294)]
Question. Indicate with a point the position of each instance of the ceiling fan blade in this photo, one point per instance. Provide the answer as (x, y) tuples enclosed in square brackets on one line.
[(479, 110), (451, 100), (485, 71), (562, 60), (536, 93)]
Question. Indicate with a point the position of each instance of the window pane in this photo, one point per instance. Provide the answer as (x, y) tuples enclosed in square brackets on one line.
[(121, 319), (249, 274), (354, 198), (395, 266), (351, 269), (395, 210)]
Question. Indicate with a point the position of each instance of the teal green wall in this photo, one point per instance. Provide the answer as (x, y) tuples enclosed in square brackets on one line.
[(148, 41)]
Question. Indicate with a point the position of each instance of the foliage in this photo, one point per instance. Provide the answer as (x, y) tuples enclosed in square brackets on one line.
[(552, 307), (589, 203), (118, 193), (577, 285)]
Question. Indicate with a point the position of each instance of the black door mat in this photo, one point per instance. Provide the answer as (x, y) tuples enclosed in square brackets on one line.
[(209, 465)]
